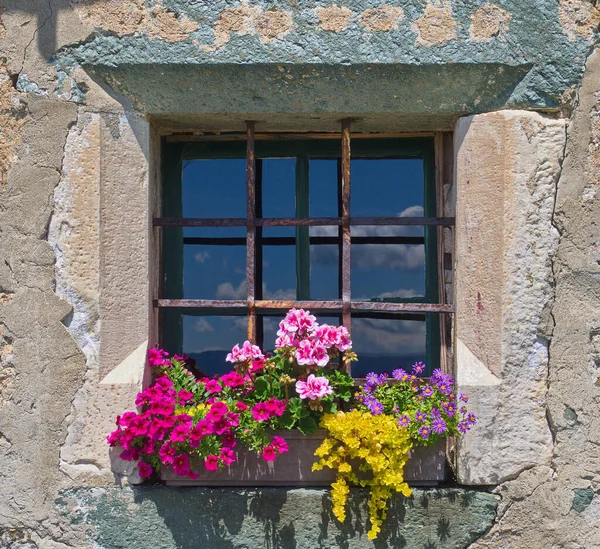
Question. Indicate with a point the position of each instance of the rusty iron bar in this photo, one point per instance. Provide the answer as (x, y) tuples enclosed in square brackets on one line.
[(250, 229), (300, 222), (346, 239), (358, 306), (291, 241)]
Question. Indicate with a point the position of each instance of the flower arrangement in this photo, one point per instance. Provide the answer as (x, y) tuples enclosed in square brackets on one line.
[(187, 424)]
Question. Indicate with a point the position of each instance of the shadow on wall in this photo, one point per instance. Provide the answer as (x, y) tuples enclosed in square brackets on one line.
[(276, 518)]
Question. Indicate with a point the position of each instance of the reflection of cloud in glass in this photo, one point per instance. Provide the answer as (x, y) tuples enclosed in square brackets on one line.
[(228, 291), (203, 325), (201, 257), (390, 256), (387, 336)]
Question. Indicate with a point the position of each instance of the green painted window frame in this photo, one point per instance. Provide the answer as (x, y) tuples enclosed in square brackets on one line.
[(175, 153)]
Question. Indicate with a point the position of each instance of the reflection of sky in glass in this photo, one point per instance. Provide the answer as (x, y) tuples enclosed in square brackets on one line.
[(208, 339), (279, 187), (383, 187), (383, 344), (214, 188)]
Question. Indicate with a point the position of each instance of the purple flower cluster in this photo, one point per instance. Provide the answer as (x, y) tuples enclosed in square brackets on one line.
[(426, 408)]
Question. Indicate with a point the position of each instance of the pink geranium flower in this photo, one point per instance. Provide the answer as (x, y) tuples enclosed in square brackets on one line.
[(319, 355), (304, 353), (313, 388)]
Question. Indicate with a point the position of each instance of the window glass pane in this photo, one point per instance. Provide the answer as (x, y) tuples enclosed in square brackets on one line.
[(323, 188), (279, 267), (279, 187), (208, 339), (324, 263), (214, 188), (214, 263), (387, 187), (383, 344), (381, 271)]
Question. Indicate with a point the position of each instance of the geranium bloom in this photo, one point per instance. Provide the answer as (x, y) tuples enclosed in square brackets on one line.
[(343, 342), (313, 388), (304, 353), (319, 355), (297, 321), (279, 444), (211, 463), (144, 470), (269, 453)]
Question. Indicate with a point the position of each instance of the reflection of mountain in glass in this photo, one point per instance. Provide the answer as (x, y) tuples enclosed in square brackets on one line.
[(212, 362), (383, 363)]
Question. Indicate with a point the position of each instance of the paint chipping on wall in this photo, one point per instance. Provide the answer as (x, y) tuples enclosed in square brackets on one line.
[(489, 22), (435, 26), (383, 18), (248, 20), (334, 19), (579, 18), (126, 17)]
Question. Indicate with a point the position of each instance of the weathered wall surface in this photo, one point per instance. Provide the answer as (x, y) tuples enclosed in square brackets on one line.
[(82, 84)]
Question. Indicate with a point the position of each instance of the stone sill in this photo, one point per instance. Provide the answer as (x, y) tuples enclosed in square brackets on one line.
[(426, 467)]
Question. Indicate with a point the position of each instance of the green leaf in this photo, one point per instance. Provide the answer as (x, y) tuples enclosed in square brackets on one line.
[(261, 386), (307, 425)]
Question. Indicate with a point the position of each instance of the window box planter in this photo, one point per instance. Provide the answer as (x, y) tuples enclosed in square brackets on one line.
[(426, 466)]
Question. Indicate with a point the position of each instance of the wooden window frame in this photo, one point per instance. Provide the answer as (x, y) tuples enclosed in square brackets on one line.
[(431, 147)]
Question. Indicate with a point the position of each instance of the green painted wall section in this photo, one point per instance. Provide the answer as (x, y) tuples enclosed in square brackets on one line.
[(521, 54), (272, 518)]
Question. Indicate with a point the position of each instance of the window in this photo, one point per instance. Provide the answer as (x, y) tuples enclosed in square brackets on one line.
[(347, 227)]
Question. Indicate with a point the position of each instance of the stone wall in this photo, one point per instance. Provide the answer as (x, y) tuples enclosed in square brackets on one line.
[(87, 86)]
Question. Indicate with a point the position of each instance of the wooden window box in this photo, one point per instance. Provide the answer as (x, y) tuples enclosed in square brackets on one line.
[(426, 467)]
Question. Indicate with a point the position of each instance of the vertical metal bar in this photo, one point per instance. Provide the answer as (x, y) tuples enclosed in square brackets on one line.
[(345, 226), (302, 233), (250, 229), (258, 258), (439, 194)]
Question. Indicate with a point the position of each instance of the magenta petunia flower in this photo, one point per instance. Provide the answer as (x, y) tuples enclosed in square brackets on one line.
[(259, 412), (144, 469), (269, 453), (211, 463), (213, 386), (180, 433), (279, 444), (241, 406), (184, 395), (313, 388), (181, 464), (167, 453), (232, 379), (227, 456), (157, 357)]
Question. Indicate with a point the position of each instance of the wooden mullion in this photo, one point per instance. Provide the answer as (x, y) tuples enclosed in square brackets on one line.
[(250, 229), (302, 232), (258, 274), (346, 238), (303, 222)]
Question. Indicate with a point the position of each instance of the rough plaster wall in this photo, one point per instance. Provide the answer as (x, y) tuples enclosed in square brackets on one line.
[(559, 505), (49, 377)]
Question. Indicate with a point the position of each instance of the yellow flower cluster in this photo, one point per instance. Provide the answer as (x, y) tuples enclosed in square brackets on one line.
[(359, 442)]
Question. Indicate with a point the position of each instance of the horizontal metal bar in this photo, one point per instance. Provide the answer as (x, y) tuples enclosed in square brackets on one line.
[(315, 305), (302, 222), (291, 240), (280, 136)]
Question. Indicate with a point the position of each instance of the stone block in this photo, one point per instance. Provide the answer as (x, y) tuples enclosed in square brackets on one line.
[(507, 168)]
